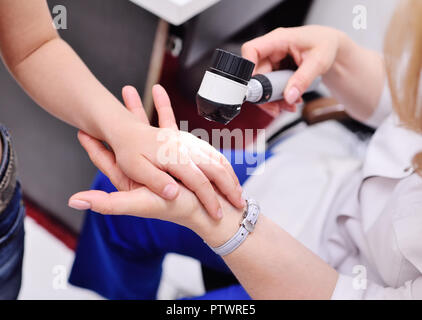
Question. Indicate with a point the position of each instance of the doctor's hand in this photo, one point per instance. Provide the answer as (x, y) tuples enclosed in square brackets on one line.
[(136, 199), (193, 161), (313, 48)]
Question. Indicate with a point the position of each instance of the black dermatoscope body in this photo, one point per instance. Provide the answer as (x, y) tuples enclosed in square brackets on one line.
[(228, 83)]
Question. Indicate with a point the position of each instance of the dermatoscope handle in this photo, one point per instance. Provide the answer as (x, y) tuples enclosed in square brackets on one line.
[(263, 88)]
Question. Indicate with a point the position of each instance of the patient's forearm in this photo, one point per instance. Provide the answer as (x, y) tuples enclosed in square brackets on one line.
[(357, 78), (271, 264), (52, 73), (56, 78)]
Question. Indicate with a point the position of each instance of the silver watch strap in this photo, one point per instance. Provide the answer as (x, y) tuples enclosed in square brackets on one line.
[(247, 226)]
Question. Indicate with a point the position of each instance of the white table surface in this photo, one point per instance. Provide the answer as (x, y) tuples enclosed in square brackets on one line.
[(175, 11)]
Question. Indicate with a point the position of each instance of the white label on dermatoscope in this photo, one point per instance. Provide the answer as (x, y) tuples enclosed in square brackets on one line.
[(222, 90)]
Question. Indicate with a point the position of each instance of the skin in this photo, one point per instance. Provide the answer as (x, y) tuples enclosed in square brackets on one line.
[(354, 75), (281, 266), (55, 77), (284, 271)]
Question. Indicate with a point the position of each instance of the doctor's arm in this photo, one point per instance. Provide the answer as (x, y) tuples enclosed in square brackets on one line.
[(354, 75), (56, 78)]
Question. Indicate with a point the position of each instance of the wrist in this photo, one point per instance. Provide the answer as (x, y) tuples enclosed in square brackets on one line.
[(216, 233), (344, 47), (119, 126), (347, 55)]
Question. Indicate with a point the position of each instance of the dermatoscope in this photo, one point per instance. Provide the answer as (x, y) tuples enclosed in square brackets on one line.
[(228, 83)]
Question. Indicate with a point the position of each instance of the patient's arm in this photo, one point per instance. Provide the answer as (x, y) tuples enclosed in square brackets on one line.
[(57, 79)]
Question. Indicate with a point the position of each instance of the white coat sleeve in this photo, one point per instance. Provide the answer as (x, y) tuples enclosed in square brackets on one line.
[(406, 219), (347, 289), (384, 109)]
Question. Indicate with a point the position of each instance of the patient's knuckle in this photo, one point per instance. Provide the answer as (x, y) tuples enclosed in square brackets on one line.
[(110, 203), (279, 31), (203, 185), (158, 179), (222, 173), (320, 63)]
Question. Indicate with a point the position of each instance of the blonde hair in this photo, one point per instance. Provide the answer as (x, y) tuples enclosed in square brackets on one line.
[(403, 57)]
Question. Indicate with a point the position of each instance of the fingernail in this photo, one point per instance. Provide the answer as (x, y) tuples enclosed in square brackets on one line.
[(239, 189), (292, 95), (170, 191), (219, 213), (79, 205)]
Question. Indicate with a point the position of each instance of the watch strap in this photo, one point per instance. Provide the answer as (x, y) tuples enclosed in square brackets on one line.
[(247, 226), (233, 243)]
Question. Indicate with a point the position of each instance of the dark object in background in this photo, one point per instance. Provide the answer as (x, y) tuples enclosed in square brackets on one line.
[(214, 280)]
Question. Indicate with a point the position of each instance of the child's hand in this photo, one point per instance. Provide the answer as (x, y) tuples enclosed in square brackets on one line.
[(146, 160), (132, 198), (137, 200)]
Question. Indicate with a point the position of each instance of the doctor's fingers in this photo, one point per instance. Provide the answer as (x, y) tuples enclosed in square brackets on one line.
[(195, 180), (139, 202), (212, 153), (216, 172), (272, 47), (313, 66), (105, 161), (134, 104), (264, 66)]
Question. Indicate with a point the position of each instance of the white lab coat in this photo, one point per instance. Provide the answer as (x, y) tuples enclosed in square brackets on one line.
[(356, 205)]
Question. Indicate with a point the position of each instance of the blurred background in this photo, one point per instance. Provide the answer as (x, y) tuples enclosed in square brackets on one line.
[(142, 42)]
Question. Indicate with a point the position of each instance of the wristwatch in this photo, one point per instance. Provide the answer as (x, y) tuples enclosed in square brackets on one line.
[(247, 226)]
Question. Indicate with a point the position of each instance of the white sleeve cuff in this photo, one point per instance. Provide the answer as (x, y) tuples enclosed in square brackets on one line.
[(352, 288), (346, 289)]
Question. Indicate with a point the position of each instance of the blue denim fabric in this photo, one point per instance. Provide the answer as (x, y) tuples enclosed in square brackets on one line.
[(11, 247), (120, 257), (11, 227)]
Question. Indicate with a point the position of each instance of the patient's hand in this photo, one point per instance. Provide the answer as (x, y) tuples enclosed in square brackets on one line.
[(133, 198)]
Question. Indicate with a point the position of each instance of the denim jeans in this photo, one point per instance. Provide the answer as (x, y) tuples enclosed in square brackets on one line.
[(12, 214)]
